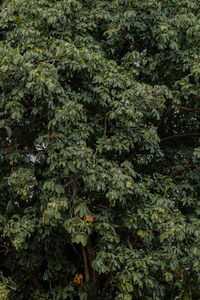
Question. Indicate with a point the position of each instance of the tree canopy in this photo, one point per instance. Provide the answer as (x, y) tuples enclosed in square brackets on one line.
[(99, 149)]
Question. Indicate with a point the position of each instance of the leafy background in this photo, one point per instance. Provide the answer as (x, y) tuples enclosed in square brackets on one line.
[(99, 149)]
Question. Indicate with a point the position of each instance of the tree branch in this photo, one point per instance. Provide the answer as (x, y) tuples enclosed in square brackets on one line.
[(87, 275), (189, 108), (172, 137)]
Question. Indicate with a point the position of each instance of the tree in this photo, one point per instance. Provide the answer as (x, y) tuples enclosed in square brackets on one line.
[(99, 149)]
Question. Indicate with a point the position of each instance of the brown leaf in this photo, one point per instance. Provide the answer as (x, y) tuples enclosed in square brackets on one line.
[(52, 136)]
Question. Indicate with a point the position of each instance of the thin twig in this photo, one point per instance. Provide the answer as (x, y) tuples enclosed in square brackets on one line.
[(105, 125), (189, 108), (7, 249), (172, 137), (106, 285)]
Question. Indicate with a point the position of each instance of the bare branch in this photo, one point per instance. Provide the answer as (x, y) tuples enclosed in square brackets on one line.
[(178, 136), (87, 275)]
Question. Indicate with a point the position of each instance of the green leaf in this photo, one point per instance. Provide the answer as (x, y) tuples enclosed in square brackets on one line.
[(59, 189), (9, 131), (79, 238), (187, 296)]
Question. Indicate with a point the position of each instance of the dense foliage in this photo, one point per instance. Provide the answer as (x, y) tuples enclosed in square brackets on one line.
[(99, 149)]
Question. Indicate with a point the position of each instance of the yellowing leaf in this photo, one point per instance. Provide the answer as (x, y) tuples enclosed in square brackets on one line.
[(163, 27), (89, 219), (140, 233), (78, 279), (128, 184)]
